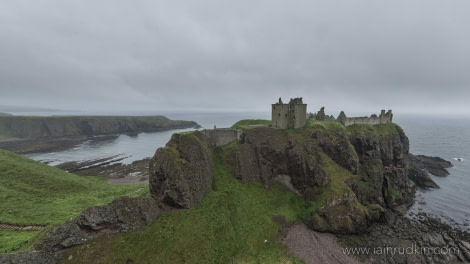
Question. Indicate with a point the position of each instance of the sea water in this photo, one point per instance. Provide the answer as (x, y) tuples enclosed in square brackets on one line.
[(126, 149), (445, 137), (448, 138)]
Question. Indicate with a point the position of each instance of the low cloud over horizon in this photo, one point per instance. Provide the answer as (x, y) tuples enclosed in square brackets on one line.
[(209, 55)]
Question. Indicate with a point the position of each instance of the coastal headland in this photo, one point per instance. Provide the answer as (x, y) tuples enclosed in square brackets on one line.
[(27, 134), (220, 201)]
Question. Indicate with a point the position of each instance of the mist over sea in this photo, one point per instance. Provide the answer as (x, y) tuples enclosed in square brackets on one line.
[(445, 137)]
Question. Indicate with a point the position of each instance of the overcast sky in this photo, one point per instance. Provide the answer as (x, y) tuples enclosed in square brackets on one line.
[(138, 55)]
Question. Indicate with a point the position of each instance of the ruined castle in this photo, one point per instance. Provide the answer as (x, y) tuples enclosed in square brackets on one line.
[(294, 115), (221, 136), (383, 118), (291, 115)]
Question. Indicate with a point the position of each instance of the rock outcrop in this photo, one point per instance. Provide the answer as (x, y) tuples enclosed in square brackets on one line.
[(421, 166), (354, 174), (434, 165), (121, 215), (181, 172), (350, 176)]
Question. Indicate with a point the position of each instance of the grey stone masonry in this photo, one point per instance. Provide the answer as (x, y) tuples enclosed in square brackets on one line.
[(383, 118), (221, 136), (291, 115)]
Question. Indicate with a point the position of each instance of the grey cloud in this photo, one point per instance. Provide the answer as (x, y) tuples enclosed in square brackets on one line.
[(220, 55)]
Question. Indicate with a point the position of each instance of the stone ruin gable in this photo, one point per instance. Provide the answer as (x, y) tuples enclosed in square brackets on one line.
[(383, 118), (291, 115), (221, 136)]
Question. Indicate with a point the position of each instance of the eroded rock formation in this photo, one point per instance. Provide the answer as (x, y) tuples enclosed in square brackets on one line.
[(350, 176), (181, 172)]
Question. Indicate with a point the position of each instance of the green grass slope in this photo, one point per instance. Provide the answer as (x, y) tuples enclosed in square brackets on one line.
[(247, 123), (230, 225), (32, 193)]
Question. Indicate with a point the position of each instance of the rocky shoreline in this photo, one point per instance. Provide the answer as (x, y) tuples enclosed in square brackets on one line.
[(399, 239), (116, 172)]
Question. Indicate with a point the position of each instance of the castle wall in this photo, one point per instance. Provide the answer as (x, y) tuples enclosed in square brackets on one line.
[(361, 120), (299, 115), (280, 115), (372, 120), (292, 115), (221, 136)]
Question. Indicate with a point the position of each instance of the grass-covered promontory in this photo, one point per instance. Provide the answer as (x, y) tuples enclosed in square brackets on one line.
[(234, 219), (33, 193), (230, 225), (244, 206)]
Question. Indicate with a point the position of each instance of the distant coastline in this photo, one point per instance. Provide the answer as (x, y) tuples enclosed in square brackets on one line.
[(26, 134)]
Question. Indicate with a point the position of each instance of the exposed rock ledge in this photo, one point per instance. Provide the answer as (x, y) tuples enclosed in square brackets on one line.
[(121, 215)]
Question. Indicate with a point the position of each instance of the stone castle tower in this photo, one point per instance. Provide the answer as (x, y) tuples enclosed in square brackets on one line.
[(291, 115)]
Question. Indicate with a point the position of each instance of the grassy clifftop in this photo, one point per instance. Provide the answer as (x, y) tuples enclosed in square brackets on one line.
[(32, 193)]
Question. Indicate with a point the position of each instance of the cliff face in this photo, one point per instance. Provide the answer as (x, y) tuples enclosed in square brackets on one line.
[(349, 176), (181, 172), (352, 175), (69, 126)]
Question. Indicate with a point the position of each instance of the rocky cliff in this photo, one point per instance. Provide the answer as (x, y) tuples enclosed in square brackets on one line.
[(349, 176), (181, 172)]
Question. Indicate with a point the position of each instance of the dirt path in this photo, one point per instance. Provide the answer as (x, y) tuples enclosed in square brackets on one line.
[(22, 227), (313, 247)]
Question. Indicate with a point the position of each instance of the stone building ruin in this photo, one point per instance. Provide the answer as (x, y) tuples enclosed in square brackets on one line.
[(291, 115), (221, 136), (383, 118)]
